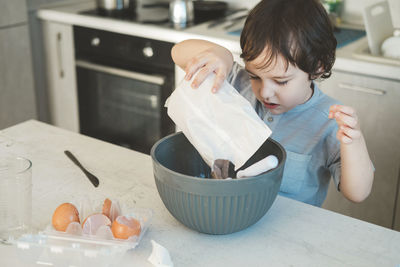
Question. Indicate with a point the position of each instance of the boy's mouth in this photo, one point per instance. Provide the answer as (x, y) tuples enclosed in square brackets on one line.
[(270, 105)]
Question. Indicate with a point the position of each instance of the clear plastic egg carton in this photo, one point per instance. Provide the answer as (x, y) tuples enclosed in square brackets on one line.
[(75, 248)]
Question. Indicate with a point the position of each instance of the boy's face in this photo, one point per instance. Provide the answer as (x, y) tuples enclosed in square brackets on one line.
[(278, 88)]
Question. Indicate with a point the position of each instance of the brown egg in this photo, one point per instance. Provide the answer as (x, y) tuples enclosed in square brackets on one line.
[(64, 215), (124, 227), (93, 222)]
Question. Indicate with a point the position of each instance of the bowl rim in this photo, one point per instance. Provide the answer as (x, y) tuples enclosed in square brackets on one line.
[(207, 179)]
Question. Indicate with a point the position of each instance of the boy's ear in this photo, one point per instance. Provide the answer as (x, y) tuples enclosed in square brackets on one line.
[(320, 71)]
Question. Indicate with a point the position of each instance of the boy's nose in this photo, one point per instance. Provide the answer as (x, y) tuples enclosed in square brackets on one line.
[(267, 90)]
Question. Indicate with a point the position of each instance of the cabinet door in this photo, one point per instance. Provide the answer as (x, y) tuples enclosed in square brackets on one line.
[(12, 12), (17, 96), (377, 104), (61, 75)]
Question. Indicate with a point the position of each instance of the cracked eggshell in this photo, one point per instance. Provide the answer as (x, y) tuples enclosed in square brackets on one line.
[(111, 209), (124, 227), (64, 214)]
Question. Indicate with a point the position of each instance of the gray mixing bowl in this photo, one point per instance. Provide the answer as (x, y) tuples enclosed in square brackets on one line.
[(208, 205)]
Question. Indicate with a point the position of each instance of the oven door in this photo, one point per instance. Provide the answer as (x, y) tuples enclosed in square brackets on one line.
[(121, 106)]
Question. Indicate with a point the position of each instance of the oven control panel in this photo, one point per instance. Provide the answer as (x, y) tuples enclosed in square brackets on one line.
[(101, 45)]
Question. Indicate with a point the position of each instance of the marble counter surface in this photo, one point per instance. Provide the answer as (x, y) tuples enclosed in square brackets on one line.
[(290, 234), (346, 59)]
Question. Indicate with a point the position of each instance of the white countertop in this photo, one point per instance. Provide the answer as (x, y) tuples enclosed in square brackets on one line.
[(345, 59), (70, 15), (290, 234)]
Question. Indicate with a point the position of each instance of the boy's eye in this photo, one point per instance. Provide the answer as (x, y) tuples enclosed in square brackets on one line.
[(281, 82), (254, 77)]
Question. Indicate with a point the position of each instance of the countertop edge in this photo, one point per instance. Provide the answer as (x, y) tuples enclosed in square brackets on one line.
[(345, 61), (130, 28)]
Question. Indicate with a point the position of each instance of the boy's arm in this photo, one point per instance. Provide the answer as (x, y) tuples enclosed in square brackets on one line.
[(357, 172), (184, 51), (194, 55)]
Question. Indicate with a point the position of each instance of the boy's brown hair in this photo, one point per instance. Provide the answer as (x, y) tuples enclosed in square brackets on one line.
[(299, 30)]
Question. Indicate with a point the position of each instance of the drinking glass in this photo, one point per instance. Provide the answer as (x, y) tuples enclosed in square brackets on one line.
[(15, 196)]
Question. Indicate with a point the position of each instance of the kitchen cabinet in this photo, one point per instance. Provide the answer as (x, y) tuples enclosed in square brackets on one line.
[(12, 12), (61, 75), (17, 96), (377, 103), (38, 53)]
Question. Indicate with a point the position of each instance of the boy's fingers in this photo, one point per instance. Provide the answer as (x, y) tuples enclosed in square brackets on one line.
[(333, 108), (193, 66), (342, 137), (219, 79), (345, 139), (353, 134), (201, 76), (188, 66), (346, 109), (343, 119)]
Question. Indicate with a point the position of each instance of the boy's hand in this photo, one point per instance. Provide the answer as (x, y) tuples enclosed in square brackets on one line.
[(211, 60), (346, 118)]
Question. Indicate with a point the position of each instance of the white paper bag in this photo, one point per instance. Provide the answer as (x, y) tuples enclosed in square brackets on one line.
[(220, 125)]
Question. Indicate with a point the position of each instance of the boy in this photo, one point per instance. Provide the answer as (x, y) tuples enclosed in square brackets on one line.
[(286, 44)]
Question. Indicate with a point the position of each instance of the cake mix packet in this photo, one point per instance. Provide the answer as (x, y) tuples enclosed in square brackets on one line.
[(220, 125)]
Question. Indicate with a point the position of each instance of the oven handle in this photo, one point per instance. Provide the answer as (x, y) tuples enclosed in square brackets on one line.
[(155, 79)]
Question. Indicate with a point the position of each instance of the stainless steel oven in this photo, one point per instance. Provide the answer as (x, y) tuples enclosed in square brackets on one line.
[(123, 82)]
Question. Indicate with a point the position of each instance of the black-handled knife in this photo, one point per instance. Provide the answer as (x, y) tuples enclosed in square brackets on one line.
[(92, 178)]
